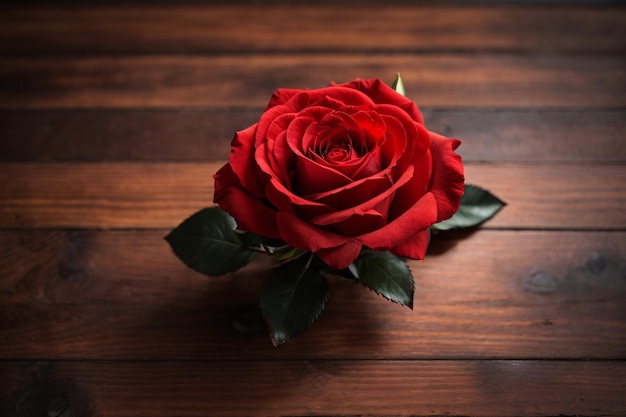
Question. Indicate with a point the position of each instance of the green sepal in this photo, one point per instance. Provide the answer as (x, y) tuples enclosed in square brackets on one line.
[(292, 297), (477, 206), (387, 275), (286, 253), (206, 242), (275, 247), (398, 85), (354, 271)]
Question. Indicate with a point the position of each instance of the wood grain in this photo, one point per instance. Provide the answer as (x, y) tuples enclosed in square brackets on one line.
[(300, 27), (114, 118), (321, 388), (490, 294), (204, 134), (433, 80), (161, 195)]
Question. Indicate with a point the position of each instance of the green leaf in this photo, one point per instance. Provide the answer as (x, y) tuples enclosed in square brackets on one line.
[(292, 297), (398, 85), (477, 206), (206, 242), (252, 240), (387, 275)]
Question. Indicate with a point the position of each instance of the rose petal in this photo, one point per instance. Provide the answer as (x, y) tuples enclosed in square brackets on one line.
[(274, 155), (296, 99), (311, 177), (331, 103), (298, 106), (275, 159), (381, 93), (340, 257), (395, 144), (366, 202), (347, 143), (243, 163), (372, 123), (448, 179), (414, 247), (285, 200), (279, 125), (416, 187), (347, 96), (281, 96), (266, 161), (266, 121), (302, 130), (249, 212), (337, 251), (420, 216), (358, 223), (353, 194)]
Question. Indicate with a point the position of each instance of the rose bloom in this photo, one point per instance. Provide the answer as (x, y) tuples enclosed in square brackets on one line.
[(335, 169)]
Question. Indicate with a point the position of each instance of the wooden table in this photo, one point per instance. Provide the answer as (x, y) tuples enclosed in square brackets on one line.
[(113, 118)]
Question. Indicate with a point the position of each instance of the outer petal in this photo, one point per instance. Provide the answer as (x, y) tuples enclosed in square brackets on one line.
[(342, 256), (381, 93), (357, 224), (282, 96), (414, 247), (347, 96), (417, 218), (249, 212), (298, 99), (243, 162), (337, 251), (448, 179), (416, 187)]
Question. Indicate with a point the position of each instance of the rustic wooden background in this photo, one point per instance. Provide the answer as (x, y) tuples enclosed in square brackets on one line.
[(113, 118)]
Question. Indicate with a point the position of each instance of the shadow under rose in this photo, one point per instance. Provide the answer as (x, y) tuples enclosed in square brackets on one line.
[(219, 328), (218, 318), (221, 320), (442, 242)]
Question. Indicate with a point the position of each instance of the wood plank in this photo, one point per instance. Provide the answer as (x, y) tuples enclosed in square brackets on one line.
[(491, 294), (204, 134), (161, 195), (288, 28), (535, 135), (437, 80), (123, 135), (317, 388)]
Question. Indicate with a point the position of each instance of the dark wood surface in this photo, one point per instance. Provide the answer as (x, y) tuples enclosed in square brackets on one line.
[(113, 119)]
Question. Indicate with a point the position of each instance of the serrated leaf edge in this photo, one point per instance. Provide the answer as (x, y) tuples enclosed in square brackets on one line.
[(410, 305), (277, 343), (229, 218), (268, 327)]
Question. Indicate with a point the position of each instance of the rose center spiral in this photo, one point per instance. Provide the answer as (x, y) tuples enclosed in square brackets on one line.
[(337, 150)]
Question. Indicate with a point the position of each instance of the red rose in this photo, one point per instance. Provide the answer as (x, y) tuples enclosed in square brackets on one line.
[(338, 168)]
